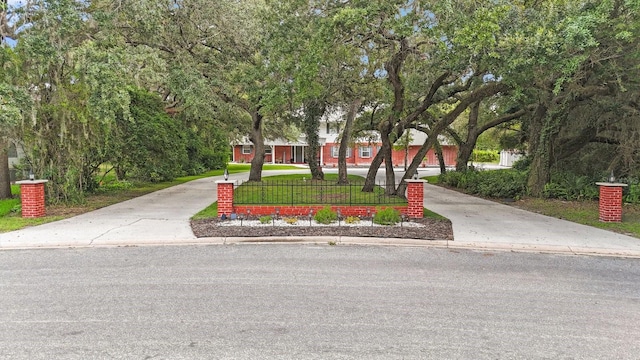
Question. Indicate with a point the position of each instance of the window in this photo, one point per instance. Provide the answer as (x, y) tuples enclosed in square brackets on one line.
[(247, 149), (336, 149), (267, 150), (13, 151), (365, 151), (332, 128)]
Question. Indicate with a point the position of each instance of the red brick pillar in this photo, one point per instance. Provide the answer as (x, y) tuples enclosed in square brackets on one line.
[(225, 197), (610, 205), (415, 197), (32, 195)]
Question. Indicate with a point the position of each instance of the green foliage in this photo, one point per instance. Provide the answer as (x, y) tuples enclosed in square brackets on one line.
[(485, 156), (325, 216), (352, 220), (266, 219), (631, 194), (387, 216), (115, 185), (426, 213), (210, 212), (496, 183), (7, 206), (569, 186), (150, 146)]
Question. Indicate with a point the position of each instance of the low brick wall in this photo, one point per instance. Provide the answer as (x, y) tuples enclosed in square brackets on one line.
[(284, 210)]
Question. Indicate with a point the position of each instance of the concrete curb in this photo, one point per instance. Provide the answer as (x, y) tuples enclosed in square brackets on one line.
[(340, 240)]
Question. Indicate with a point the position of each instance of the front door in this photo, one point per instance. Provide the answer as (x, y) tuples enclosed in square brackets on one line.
[(298, 154)]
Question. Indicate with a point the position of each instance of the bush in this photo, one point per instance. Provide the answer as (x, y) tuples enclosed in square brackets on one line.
[(352, 220), (325, 216), (496, 183), (265, 219), (569, 186), (632, 194), (388, 216), (486, 156), (291, 220)]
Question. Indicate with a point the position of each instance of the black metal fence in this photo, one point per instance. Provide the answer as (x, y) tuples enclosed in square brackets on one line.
[(300, 192)]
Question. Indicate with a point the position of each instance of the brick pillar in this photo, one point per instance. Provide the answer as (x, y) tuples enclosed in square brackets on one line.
[(610, 204), (415, 197), (225, 197), (32, 195)]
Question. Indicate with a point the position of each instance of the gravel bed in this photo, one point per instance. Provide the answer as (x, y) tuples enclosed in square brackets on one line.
[(426, 229)]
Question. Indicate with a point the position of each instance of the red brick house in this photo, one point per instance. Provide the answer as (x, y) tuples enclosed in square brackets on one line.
[(361, 153)]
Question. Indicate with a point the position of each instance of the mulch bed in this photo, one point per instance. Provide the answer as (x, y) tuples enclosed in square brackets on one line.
[(433, 230)]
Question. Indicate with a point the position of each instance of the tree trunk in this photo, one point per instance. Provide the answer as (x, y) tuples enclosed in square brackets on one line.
[(370, 180), (415, 163), (255, 174), (540, 148), (465, 150), (344, 142), (313, 111), (5, 179), (390, 176), (440, 156)]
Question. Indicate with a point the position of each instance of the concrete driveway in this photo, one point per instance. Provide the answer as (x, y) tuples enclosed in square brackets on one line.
[(163, 217)]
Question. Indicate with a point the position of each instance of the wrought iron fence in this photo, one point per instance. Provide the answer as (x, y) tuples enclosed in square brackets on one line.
[(300, 192)]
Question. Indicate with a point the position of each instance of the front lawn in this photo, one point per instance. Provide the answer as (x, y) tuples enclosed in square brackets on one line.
[(584, 212), (297, 189)]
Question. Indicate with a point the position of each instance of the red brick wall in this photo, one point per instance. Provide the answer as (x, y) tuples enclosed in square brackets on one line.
[(449, 153), (287, 210)]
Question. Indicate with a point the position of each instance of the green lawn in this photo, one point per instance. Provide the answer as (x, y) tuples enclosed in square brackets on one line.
[(295, 189), (584, 212)]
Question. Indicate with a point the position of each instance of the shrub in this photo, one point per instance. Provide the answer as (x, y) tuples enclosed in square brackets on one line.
[(388, 216), (486, 156), (265, 219), (325, 216), (569, 186), (291, 220), (632, 194), (352, 220), (496, 183)]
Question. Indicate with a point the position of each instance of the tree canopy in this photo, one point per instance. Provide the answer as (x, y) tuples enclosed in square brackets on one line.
[(86, 80)]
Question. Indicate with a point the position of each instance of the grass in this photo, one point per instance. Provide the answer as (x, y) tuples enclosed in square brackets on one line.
[(584, 212), (10, 217), (296, 189), (110, 193), (426, 213), (434, 179), (211, 211)]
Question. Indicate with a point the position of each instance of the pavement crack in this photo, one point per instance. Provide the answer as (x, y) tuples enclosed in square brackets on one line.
[(112, 229)]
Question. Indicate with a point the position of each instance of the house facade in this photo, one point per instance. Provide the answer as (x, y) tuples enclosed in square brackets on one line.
[(360, 153)]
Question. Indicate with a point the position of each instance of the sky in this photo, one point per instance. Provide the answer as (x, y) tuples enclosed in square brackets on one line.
[(13, 3)]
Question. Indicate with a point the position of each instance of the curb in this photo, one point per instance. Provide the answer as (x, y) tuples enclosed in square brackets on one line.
[(341, 240)]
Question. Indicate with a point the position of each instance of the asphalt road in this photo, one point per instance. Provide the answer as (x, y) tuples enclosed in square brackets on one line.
[(315, 302)]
